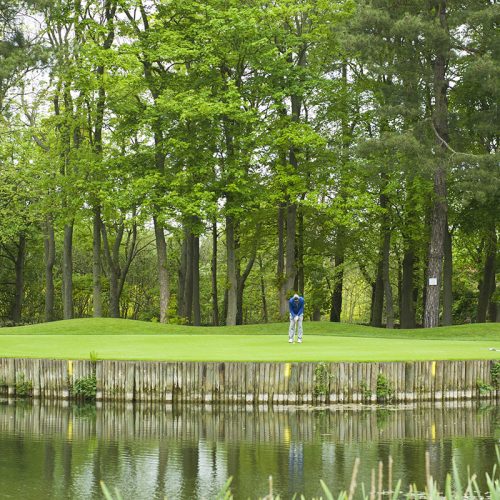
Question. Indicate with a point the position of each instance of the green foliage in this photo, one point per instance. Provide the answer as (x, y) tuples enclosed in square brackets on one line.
[(483, 387), (225, 491), (454, 490), (85, 388), (365, 390), (495, 374), (205, 111), (108, 495), (384, 389), (23, 387), (322, 378), (85, 409)]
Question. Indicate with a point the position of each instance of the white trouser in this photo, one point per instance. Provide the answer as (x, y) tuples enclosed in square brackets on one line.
[(291, 330)]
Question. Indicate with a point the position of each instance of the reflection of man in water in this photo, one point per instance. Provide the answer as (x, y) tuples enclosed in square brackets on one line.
[(295, 457), (296, 463)]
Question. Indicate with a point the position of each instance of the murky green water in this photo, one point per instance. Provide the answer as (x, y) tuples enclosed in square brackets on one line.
[(56, 451)]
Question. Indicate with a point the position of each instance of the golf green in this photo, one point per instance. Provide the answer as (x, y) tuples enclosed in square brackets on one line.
[(134, 340)]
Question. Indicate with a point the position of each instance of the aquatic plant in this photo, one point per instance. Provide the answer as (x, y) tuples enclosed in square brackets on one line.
[(384, 389), (85, 387), (108, 495), (23, 387), (483, 387), (495, 374), (454, 490), (322, 378)]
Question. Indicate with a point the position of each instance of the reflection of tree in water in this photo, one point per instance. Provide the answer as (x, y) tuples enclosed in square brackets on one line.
[(190, 452), (382, 417), (84, 410)]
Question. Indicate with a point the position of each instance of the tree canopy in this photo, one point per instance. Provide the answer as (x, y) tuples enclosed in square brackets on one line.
[(199, 162)]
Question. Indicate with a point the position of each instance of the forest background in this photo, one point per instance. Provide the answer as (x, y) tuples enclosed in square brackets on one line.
[(199, 161)]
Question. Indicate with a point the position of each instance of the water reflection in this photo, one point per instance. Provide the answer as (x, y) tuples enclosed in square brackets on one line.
[(54, 450)]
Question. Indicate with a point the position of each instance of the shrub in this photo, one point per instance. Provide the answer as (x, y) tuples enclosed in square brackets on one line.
[(495, 374), (321, 379), (85, 387), (384, 390), (23, 387)]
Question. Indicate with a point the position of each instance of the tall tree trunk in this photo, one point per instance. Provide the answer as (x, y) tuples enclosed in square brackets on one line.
[(239, 303), (50, 260), (439, 208), (280, 273), (300, 252), (196, 281), (423, 276), (187, 299), (96, 264), (225, 304), (241, 279), (291, 213), (436, 251), (110, 10), (341, 237), (181, 281), (130, 253), (487, 282), (494, 305), (67, 257), (215, 300), (316, 315), (114, 302), (67, 271), (389, 305), (407, 313), (377, 308), (291, 265), (385, 251), (447, 279), (382, 267), (497, 317), (163, 278), (338, 281), (114, 271), (161, 245), (117, 272), (372, 284), (19, 265), (232, 279), (263, 292)]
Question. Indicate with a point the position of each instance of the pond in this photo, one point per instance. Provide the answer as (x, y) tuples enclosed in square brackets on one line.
[(61, 450)]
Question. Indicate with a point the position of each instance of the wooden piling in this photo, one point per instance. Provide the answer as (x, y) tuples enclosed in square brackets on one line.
[(250, 383)]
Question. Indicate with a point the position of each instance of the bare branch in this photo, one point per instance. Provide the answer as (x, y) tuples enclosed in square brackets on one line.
[(447, 146)]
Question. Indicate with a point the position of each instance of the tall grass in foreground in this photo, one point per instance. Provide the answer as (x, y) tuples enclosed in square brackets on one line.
[(454, 490)]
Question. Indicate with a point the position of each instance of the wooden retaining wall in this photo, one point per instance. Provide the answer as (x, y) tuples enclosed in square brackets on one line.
[(255, 383), (215, 423)]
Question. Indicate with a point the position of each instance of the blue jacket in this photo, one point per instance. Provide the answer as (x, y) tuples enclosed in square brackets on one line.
[(296, 308)]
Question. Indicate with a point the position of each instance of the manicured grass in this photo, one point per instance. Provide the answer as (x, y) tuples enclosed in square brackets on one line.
[(109, 326), (135, 340)]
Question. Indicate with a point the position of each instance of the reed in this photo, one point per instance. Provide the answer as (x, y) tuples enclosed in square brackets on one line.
[(454, 490)]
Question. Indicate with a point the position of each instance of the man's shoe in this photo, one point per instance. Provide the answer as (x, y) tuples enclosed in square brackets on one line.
[(299, 341), (290, 341)]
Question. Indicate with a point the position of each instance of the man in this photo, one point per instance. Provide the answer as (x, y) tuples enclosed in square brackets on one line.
[(296, 306)]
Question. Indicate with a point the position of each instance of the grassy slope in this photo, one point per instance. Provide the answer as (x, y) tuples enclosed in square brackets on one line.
[(75, 339)]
